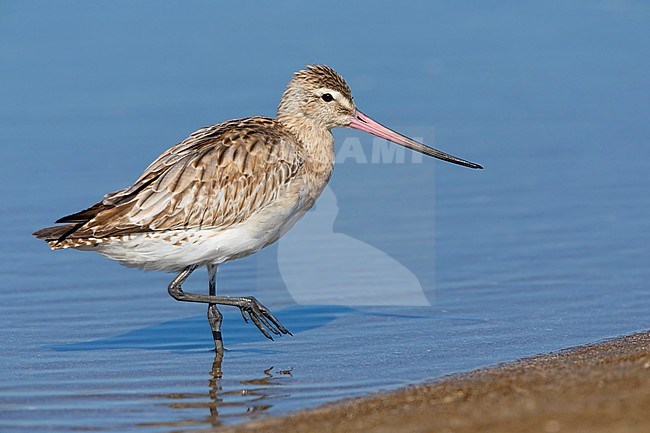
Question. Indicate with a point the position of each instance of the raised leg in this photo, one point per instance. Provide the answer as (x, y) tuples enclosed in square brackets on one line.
[(214, 315), (258, 313)]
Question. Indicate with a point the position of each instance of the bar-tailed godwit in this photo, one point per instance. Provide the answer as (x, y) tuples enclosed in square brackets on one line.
[(227, 191)]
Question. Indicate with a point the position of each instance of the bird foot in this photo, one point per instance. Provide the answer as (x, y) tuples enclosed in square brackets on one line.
[(261, 317)]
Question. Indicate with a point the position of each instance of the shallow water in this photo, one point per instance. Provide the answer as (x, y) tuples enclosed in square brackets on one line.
[(404, 271)]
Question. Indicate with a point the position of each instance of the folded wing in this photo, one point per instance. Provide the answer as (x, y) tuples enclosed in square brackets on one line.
[(216, 178)]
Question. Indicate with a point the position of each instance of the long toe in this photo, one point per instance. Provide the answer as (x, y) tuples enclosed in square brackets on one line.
[(262, 318), (266, 313)]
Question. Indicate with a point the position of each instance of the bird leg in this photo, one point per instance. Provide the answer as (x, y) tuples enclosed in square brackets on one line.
[(257, 313), (214, 315)]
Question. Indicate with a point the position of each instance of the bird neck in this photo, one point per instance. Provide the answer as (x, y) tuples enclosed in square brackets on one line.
[(317, 141)]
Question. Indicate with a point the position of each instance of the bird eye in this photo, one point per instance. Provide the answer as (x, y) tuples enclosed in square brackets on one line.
[(327, 97)]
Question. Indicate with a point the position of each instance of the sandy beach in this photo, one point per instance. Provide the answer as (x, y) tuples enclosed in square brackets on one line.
[(601, 387)]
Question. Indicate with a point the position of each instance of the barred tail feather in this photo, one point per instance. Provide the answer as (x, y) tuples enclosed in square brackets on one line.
[(54, 235)]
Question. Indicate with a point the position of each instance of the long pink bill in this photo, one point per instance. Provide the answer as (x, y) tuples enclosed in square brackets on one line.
[(364, 123)]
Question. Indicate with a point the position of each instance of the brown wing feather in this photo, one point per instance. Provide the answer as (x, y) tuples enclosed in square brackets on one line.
[(215, 178)]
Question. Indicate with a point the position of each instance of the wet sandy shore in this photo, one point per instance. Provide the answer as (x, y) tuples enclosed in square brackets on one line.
[(603, 387)]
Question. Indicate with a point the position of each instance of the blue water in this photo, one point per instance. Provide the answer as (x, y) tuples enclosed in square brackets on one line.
[(405, 272)]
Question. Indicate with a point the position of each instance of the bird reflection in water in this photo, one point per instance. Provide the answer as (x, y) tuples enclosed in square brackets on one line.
[(250, 399)]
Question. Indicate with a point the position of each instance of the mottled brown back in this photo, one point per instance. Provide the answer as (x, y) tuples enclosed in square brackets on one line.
[(215, 178)]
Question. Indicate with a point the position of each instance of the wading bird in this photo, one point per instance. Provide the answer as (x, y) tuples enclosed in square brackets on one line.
[(227, 191)]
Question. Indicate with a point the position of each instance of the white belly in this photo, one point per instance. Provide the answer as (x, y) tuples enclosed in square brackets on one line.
[(177, 249)]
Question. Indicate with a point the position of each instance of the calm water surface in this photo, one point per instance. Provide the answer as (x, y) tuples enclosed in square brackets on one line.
[(405, 271)]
